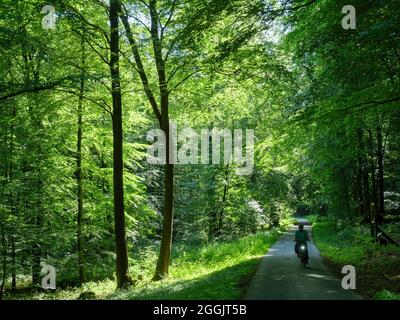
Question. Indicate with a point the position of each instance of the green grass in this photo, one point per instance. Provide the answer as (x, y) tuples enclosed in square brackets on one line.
[(377, 267), (386, 295), (216, 271)]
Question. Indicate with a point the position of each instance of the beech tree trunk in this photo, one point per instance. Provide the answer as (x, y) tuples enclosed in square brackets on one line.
[(122, 267), (81, 262), (381, 189)]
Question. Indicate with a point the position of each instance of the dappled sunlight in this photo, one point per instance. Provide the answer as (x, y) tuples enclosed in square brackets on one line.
[(208, 286)]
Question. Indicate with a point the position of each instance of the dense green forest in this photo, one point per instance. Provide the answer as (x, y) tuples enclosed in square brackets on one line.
[(82, 88)]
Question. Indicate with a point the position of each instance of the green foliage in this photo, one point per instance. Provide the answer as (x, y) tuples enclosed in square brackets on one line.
[(345, 244), (217, 271), (386, 295)]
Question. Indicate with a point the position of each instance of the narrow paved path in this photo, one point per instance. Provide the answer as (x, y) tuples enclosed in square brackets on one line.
[(280, 275)]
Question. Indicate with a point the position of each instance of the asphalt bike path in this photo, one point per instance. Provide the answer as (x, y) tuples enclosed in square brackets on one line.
[(281, 277)]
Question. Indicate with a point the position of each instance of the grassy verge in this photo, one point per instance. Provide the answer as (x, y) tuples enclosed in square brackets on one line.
[(216, 271), (377, 267)]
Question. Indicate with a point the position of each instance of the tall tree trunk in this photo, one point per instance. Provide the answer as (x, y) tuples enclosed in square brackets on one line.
[(34, 148), (3, 242), (360, 192), (367, 199), (163, 119), (211, 195), (223, 202), (4, 269), (162, 267), (359, 186), (81, 262), (372, 168), (37, 246), (13, 265), (38, 185), (346, 192), (12, 203), (362, 180), (380, 175), (122, 266), (365, 180)]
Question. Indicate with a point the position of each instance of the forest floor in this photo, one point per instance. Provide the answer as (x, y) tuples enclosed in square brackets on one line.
[(215, 271), (280, 275), (377, 267)]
